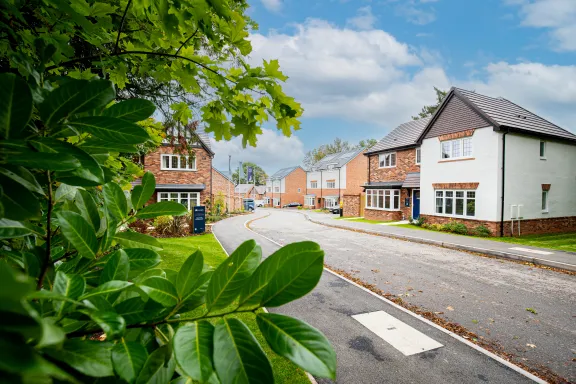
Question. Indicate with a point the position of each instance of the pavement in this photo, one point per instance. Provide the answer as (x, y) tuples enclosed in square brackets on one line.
[(535, 255), (488, 296)]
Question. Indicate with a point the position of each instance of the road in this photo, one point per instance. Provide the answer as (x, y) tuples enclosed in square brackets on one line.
[(487, 296)]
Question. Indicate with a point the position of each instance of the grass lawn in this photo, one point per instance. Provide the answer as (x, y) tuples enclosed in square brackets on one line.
[(362, 220), (175, 252), (412, 227), (560, 241)]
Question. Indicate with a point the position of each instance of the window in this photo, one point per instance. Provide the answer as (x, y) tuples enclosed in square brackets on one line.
[(386, 199), (330, 202), (454, 149), (269, 189), (299, 190), (330, 167), (178, 162), (544, 201), (456, 203), (187, 199), (418, 155), (387, 160), (276, 189), (543, 150), (314, 184), (309, 201), (276, 202), (330, 184)]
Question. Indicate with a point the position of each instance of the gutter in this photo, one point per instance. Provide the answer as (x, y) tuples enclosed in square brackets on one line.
[(503, 183)]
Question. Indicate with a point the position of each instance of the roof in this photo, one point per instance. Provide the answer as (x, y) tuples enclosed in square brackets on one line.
[(412, 180), (260, 189), (505, 115), (383, 184), (404, 135), (226, 174), (203, 136), (243, 188), (337, 160), (282, 173)]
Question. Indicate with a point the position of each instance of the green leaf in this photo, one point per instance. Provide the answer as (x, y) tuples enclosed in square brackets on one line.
[(92, 358), (111, 226), (116, 268), (23, 176), (116, 204), (132, 310), (79, 233), (298, 276), (253, 292), (300, 343), (75, 96), (111, 323), (128, 359), (159, 367), (131, 239), (143, 192), (189, 273), (19, 203), (17, 152), (94, 145), (15, 105), (11, 229), (88, 209), (238, 358), (111, 129), (228, 278), (70, 286), (107, 288), (196, 296), (51, 333), (131, 110), (163, 208), (142, 258), (193, 349), (65, 192), (160, 290)]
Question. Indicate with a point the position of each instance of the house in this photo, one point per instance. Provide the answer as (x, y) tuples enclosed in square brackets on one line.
[(260, 192), (487, 161), (333, 177), (244, 189), (223, 188), (286, 186), (392, 190)]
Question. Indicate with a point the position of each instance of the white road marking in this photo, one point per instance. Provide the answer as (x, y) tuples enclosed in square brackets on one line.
[(398, 334), (532, 251)]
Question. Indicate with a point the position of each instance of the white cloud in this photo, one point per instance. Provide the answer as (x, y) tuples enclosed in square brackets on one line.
[(415, 12), (272, 5), (274, 151), (559, 16), (364, 19)]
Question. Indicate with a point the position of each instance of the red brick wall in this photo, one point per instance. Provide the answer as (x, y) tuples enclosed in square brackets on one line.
[(223, 185), (295, 180), (356, 174), (377, 214), (405, 163), (351, 206)]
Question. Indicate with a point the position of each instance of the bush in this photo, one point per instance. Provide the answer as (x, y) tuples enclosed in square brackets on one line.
[(139, 226), (213, 218), (300, 208), (435, 227), (460, 229), (418, 222), (482, 231), (162, 224)]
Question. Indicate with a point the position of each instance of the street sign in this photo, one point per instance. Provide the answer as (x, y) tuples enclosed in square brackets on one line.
[(199, 219)]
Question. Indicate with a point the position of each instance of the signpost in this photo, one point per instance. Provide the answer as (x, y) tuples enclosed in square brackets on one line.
[(199, 219)]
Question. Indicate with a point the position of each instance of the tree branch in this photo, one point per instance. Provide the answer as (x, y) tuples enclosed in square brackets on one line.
[(121, 26), (187, 40), (48, 257)]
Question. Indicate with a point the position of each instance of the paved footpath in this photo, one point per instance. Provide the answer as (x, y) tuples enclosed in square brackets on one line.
[(542, 256), (375, 340)]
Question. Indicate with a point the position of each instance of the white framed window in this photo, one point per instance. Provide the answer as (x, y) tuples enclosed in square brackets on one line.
[(276, 202), (177, 162), (387, 160), (544, 201), (276, 189), (330, 202), (456, 149), (330, 184), (314, 184), (418, 155), (187, 199), (455, 203), (385, 199), (309, 201), (542, 150), (269, 189)]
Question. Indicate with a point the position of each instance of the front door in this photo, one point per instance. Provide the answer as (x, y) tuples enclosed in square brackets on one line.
[(415, 204)]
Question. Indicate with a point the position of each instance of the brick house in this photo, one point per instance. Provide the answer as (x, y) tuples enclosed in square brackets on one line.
[(333, 177), (244, 189), (393, 187), (223, 185), (489, 161), (287, 185)]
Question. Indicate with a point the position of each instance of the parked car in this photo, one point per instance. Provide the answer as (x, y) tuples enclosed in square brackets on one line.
[(335, 210), (248, 204), (292, 205), (259, 203)]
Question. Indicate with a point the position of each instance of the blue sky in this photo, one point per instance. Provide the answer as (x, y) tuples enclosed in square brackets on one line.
[(361, 67)]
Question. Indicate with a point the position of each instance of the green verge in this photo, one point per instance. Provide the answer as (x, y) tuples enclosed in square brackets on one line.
[(411, 226), (559, 241), (175, 252), (362, 220)]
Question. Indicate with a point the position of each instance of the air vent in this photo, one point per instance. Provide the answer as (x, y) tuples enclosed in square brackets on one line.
[(521, 117)]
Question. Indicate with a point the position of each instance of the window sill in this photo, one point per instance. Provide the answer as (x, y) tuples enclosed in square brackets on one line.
[(456, 216), (543, 158), (459, 159), (384, 209), (179, 170), (545, 212), (387, 167)]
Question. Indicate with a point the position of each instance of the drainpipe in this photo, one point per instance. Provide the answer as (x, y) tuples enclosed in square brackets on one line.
[(503, 180), (321, 186), (339, 169)]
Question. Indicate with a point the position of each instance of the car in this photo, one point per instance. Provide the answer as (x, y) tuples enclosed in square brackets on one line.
[(292, 205), (335, 210)]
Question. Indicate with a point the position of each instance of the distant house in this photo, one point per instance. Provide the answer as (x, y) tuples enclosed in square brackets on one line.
[(286, 186), (333, 177), (487, 161), (224, 187), (244, 189)]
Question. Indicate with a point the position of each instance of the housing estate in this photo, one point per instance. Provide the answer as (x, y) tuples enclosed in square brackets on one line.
[(286, 186)]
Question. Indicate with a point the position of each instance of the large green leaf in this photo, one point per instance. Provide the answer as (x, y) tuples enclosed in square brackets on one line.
[(160, 290), (163, 208), (88, 208), (131, 239), (92, 358), (116, 204), (193, 349), (142, 258), (143, 192), (96, 146), (228, 278), (197, 296), (111, 129), (159, 367), (110, 228), (253, 292), (131, 110), (298, 276), (17, 152), (238, 357), (15, 105), (111, 323), (299, 342), (79, 233), (107, 288), (71, 286), (128, 358), (19, 203), (23, 176), (10, 229), (51, 333), (189, 273), (65, 192), (116, 268), (132, 310), (75, 96)]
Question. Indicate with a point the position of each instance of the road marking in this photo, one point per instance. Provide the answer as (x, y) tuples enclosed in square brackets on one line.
[(398, 334), (532, 251)]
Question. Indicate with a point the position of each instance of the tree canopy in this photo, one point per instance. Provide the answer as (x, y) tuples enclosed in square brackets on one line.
[(259, 174), (338, 145), (428, 110)]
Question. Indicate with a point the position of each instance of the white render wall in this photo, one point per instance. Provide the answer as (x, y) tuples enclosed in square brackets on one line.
[(327, 175), (276, 183), (484, 169), (525, 173)]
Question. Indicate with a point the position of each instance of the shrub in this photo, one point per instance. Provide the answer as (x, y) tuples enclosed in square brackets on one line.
[(410, 221), (460, 228), (162, 224), (435, 227), (482, 231), (424, 225), (418, 222), (139, 226), (300, 208)]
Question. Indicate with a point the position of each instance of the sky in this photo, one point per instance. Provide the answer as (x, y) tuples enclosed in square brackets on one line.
[(362, 67)]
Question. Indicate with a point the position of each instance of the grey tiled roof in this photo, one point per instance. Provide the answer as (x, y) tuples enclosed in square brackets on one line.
[(226, 174), (283, 172), (243, 188), (412, 180), (337, 160), (507, 114), (260, 189), (403, 135), (205, 138)]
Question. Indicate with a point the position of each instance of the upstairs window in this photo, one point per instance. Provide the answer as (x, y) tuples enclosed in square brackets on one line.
[(387, 160), (418, 155), (330, 184), (314, 184), (458, 148), (543, 150), (544, 201), (276, 189), (178, 162)]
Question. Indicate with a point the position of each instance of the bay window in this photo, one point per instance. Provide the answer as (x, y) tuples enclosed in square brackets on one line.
[(456, 203), (187, 199), (309, 201), (177, 162), (458, 148), (385, 199), (387, 160)]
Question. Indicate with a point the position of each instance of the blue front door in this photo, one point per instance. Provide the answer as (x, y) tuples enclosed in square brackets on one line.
[(415, 204)]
